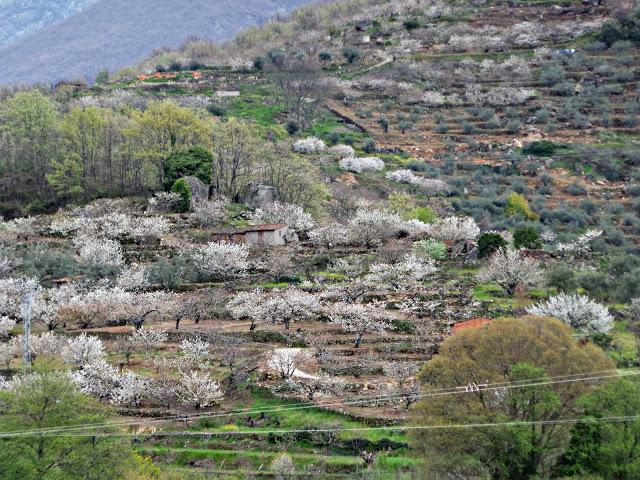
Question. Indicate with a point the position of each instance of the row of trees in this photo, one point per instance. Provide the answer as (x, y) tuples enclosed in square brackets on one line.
[(51, 153)]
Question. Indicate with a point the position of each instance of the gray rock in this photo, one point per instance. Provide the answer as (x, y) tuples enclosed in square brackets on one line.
[(258, 195), (199, 191)]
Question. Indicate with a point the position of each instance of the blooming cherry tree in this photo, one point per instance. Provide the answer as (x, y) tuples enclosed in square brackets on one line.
[(148, 340), (361, 164), (98, 379), (580, 247), (370, 226), (288, 305), (430, 185), (342, 151), (194, 352), (197, 389), (280, 306), (577, 311), (100, 253), (408, 272), (221, 258), (130, 390), (510, 269), (285, 361), (6, 325), (288, 213), (455, 230), (309, 145), (358, 319), (83, 350), (330, 235)]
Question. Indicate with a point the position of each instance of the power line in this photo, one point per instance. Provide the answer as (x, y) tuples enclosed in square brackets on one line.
[(302, 406), (610, 419)]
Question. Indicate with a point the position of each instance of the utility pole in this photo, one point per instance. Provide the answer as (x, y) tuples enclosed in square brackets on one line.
[(26, 309)]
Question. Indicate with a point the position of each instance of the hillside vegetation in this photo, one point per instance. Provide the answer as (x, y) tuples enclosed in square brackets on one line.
[(445, 202), (109, 34)]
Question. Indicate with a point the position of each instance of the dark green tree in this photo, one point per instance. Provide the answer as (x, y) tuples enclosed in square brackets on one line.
[(606, 449), (527, 237), (194, 161), (489, 243)]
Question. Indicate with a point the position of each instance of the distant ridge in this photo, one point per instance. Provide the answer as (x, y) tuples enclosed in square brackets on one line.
[(114, 33)]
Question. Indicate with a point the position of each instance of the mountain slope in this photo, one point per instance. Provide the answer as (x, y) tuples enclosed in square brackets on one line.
[(20, 18), (113, 33)]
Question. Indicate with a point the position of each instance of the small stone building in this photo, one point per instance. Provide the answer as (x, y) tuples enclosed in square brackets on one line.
[(271, 234)]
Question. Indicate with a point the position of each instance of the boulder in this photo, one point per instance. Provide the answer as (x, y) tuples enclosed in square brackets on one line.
[(258, 195), (199, 191)]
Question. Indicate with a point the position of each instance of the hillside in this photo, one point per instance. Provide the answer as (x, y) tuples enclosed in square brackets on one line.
[(19, 18), (382, 239), (110, 34)]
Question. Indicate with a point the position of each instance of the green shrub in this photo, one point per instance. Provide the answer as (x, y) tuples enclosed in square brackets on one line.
[(626, 27), (527, 237), (292, 127), (411, 24), (424, 214), (575, 189), (195, 161), (324, 56), (430, 248), (517, 205), (369, 145), (541, 148), (489, 243), (181, 187), (351, 54), (513, 126)]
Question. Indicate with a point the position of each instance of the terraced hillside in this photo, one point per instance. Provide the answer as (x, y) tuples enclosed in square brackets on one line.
[(425, 181)]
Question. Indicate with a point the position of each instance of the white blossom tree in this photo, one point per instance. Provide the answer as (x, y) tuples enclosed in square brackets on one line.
[(83, 350), (289, 305), (47, 344), (211, 212), (369, 226), (198, 390), (510, 269), (342, 150), (429, 185), (358, 319), (330, 235), (455, 230), (403, 274), (220, 258), (98, 379), (248, 305), (580, 247), (577, 311), (361, 164), (7, 354), (309, 145), (147, 340), (195, 353), (100, 253), (6, 325), (285, 361), (49, 303), (290, 214), (280, 306), (133, 278), (130, 391), (283, 467)]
